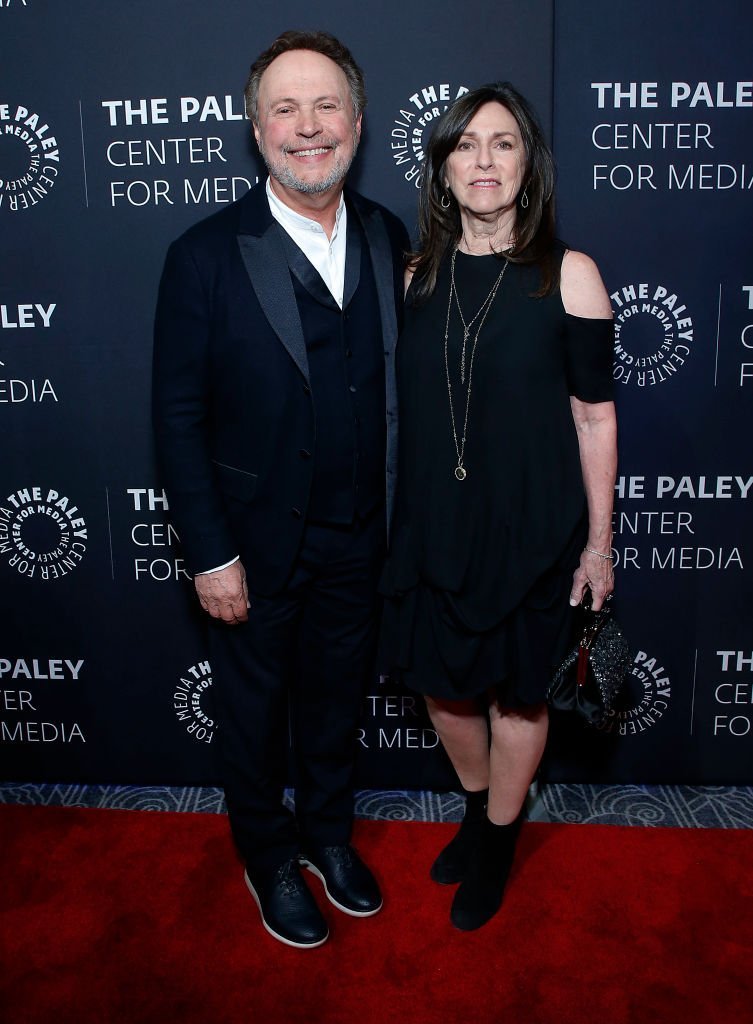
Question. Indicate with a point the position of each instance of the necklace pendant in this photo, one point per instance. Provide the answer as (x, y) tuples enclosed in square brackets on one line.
[(460, 473)]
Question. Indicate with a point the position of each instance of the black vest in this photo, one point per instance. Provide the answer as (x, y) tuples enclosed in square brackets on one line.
[(346, 372)]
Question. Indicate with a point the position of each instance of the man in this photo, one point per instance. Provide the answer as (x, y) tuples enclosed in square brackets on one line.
[(275, 419)]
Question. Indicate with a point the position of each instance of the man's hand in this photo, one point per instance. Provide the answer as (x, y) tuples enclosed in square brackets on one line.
[(224, 594)]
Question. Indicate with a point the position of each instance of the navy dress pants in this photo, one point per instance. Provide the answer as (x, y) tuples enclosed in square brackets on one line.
[(295, 675)]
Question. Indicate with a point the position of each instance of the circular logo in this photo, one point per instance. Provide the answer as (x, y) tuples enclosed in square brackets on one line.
[(191, 702), (653, 333), (42, 533), (644, 699), (29, 158), (413, 124)]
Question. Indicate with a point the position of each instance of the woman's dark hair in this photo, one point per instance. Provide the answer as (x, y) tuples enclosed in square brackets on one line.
[(440, 228)]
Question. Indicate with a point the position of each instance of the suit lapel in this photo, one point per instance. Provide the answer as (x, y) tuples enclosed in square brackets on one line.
[(306, 272), (381, 260), (264, 258), (352, 259)]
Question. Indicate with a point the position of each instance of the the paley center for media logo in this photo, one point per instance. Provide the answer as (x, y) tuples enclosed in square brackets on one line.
[(653, 331), (413, 124), (42, 533), (29, 158)]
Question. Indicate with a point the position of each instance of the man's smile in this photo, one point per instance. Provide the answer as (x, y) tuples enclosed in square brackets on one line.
[(318, 151)]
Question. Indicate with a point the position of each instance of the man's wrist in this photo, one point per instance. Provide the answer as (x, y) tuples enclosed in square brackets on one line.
[(205, 572)]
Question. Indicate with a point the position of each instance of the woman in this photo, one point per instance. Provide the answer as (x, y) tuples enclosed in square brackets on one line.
[(507, 469)]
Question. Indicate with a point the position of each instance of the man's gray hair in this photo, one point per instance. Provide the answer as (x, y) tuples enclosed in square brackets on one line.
[(318, 42)]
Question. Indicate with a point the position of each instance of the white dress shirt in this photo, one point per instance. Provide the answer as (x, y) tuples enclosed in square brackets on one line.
[(326, 254)]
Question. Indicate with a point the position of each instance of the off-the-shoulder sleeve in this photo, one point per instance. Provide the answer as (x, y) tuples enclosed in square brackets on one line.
[(590, 350)]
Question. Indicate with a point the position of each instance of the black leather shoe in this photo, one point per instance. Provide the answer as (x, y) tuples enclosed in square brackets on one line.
[(288, 910), (348, 883)]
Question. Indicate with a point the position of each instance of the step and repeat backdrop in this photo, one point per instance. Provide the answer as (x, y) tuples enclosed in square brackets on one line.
[(122, 125), (653, 134)]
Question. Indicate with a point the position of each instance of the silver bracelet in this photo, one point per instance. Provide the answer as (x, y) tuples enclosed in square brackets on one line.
[(607, 558)]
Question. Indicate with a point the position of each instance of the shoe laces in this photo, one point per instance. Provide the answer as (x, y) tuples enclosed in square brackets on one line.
[(289, 878)]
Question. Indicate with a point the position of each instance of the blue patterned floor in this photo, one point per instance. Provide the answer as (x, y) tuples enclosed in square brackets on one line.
[(673, 806)]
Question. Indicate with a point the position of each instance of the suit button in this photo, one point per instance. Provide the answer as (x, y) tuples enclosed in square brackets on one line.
[(296, 513), (304, 453), (306, 389), (353, 388), (349, 353)]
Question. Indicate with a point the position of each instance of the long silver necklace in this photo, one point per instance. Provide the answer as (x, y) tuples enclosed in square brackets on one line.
[(460, 471), (484, 305)]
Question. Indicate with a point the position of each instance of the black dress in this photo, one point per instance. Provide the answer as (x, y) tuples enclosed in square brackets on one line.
[(477, 582)]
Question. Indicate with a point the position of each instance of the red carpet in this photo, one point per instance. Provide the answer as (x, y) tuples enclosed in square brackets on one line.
[(121, 916)]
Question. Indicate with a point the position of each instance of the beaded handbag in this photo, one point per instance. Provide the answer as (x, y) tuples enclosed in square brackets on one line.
[(593, 673)]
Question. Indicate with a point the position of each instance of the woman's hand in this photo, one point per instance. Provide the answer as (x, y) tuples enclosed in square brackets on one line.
[(595, 573)]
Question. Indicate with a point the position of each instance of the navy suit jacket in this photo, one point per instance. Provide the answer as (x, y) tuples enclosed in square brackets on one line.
[(232, 404)]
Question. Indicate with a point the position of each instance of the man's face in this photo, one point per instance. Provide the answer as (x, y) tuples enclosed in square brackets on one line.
[(306, 132)]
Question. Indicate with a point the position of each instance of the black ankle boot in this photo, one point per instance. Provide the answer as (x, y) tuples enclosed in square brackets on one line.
[(480, 894), (452, 863)]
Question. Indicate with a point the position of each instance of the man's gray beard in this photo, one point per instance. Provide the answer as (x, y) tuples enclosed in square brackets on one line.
[(286, 176)]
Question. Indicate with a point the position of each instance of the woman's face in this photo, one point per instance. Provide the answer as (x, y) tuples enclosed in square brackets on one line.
[(486, 169)]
